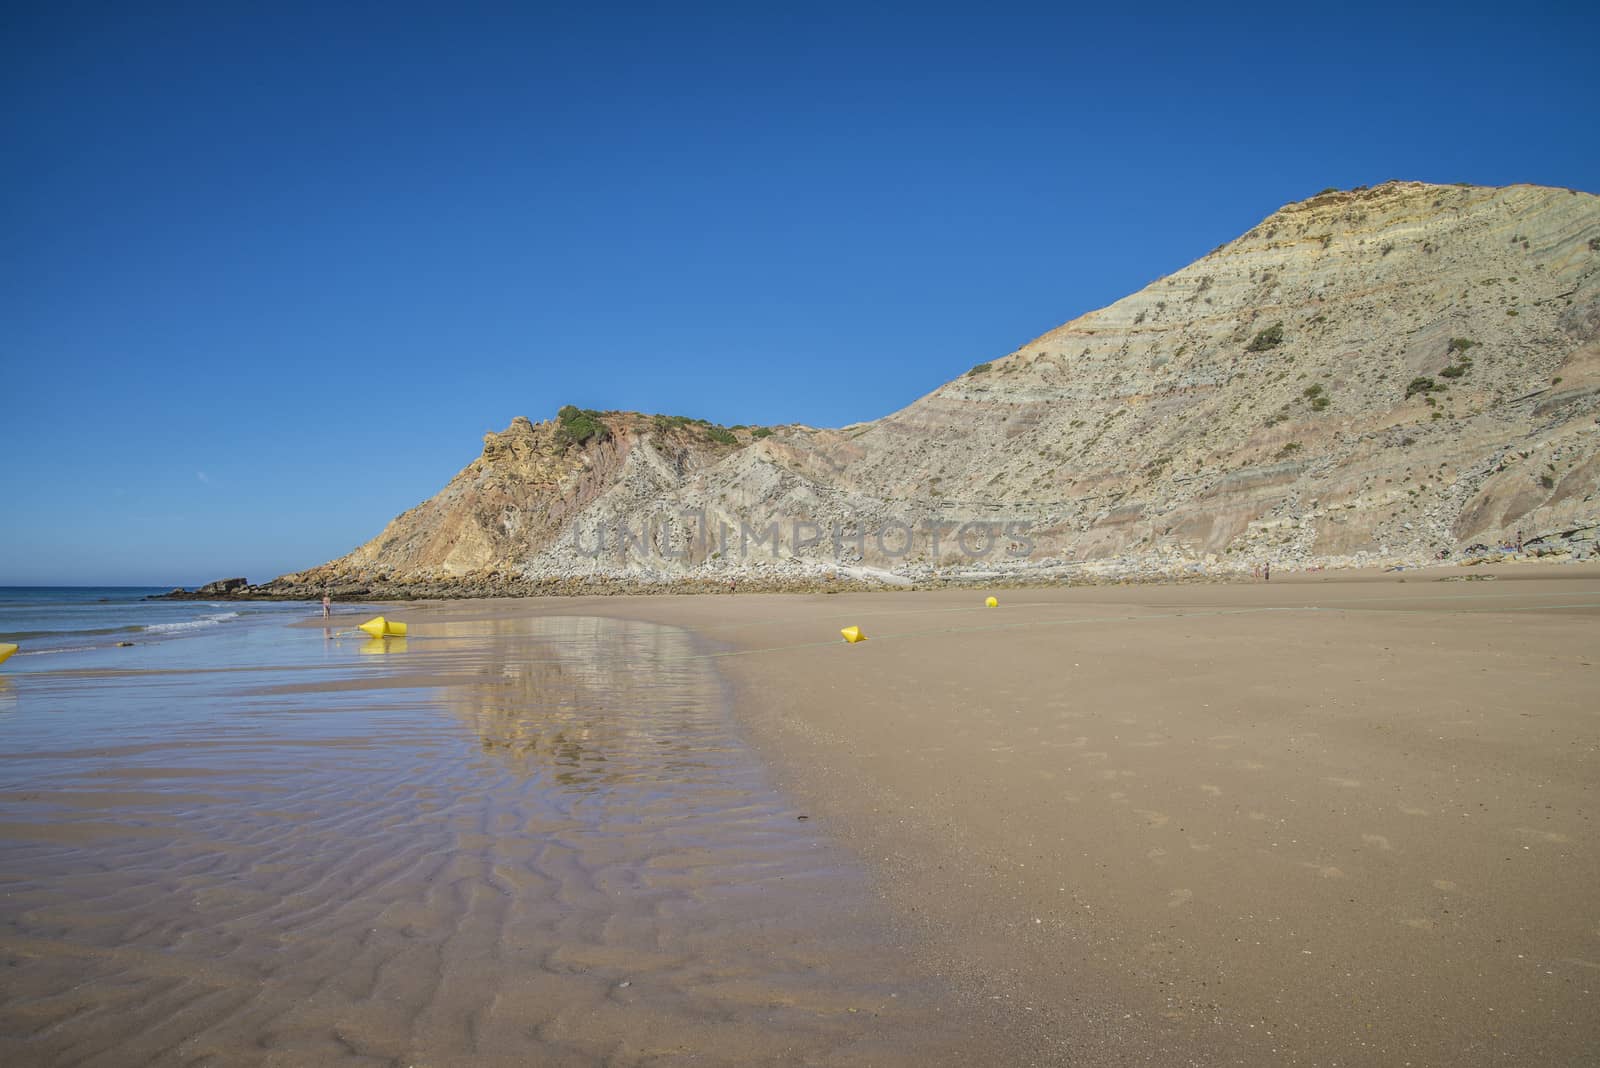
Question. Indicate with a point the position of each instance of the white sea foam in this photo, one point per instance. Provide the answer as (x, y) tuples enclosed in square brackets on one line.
[(191, 624)]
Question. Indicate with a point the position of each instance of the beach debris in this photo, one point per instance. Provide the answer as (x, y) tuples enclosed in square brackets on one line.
[(384, 628), (853, 635), (6, 649), (124, 645), (992, 602)]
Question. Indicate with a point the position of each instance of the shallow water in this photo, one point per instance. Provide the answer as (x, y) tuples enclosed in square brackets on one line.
[(51, 620), (531, 841)]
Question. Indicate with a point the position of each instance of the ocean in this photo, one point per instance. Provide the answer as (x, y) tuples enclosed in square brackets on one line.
[(55, 621)]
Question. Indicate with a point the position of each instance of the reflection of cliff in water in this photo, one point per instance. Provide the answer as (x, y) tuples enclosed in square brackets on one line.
[(591, 703)]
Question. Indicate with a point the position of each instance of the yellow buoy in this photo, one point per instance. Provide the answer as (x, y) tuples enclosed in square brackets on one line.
[(992, 602), (6, 649), (384, 628), (853, 635)]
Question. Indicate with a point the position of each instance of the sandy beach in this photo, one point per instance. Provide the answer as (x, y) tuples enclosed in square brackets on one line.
[(1316, 821), (541, 536)]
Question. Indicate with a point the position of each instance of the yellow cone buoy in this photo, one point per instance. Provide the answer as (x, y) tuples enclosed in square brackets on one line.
[(992, 602), (853, 635), (384, 628), (6, 649)]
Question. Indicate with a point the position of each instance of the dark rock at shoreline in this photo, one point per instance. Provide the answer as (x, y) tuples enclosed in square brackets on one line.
[(221, 588)]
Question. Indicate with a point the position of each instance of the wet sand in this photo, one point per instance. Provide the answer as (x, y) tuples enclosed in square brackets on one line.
[(512, 841), (1313, 822)]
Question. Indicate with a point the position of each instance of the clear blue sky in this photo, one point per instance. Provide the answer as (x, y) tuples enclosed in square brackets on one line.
[(266, 278)]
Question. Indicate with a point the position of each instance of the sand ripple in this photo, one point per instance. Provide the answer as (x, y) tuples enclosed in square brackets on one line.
[(562, 855)]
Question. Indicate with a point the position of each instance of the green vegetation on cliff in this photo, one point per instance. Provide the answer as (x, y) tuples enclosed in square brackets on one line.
[(579, 426)]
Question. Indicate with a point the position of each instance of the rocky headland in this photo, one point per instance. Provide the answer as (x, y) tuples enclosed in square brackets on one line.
[(1385, 376)]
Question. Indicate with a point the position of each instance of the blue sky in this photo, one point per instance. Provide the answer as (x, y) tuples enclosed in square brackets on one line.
[(268, 274)]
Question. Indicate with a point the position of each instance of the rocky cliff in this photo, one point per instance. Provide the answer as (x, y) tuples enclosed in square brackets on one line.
[(1378, 375)]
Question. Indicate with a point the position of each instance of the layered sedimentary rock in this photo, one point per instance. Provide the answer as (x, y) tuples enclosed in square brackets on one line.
[(1386, 374)]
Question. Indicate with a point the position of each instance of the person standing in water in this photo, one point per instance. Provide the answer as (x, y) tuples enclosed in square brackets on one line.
[(327, 606)]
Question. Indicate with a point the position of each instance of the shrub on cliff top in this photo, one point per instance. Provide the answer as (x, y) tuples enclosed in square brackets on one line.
[(579, 426), (980, 369)]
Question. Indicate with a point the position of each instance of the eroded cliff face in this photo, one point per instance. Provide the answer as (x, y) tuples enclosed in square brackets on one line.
[(528, 485), (1377, 375), (1266, 399)]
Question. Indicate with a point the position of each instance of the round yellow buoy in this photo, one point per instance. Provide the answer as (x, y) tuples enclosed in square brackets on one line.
[(992, 603), (853, 635), (6, 649)]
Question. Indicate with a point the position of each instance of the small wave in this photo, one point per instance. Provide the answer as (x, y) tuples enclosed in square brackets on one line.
[(191, 624), (31, 635)]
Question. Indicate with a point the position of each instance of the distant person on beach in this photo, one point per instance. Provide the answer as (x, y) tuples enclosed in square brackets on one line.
[(1266, 572), (327, 605)]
